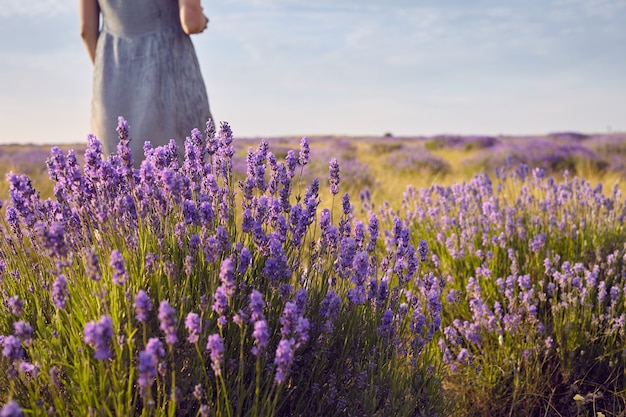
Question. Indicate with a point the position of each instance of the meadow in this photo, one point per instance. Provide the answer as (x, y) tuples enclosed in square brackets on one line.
[(370, 276)]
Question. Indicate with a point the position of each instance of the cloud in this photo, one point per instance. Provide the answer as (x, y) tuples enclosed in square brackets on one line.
[(48, 8)]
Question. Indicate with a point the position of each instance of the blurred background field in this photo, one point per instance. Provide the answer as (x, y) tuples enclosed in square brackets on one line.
[(384, 166)]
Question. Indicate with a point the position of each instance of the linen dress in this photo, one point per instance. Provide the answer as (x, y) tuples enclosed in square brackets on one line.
[(147, 71)]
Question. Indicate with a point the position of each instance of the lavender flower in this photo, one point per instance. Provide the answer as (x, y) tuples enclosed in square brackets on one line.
[(146, 368), (98, 335), (12, 348), (93, 266), (303, 157), (261, 336), (333, 176), (24, 332), (120, 275), (167, 317), (220, 300), (142, 305), (193, 325), (60, 292), (227, 277), (11, 409), (329, 310), (215, 346), (16, 305), (155, 348), (283, 359), (256, 306)]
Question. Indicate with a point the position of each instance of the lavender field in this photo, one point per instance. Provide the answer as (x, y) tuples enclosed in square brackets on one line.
[(335, 276)]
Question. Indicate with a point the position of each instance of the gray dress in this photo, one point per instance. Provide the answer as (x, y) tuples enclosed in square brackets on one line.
[(146, 70)]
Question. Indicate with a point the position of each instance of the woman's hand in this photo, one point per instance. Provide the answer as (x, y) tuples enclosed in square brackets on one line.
[(191, 17)]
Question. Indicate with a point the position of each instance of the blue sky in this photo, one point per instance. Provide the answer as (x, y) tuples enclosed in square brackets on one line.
[(354, 67)]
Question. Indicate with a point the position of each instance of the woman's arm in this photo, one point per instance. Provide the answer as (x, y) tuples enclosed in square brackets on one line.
[(89, 15), (191, 17)]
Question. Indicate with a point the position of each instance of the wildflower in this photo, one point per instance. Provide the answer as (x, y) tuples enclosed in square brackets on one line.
[(333, 176), (16, 305), (329, 309), (93, 266), (12, 348), (11, 409), (155, 348), (146, 369), (197, 392), (422, 249), (167, 317), (98, 335), (120, 275), (53, 238), (261, 336), (227, 276), (215, 346), (245, 257), (194, 326), (303, 156), (345, 204), (220, 300), (283, 359), (276, 267), (24, 332), (386, 327), (60, 292), (256, 305), (579, 398), (29, 368), (142, 305)]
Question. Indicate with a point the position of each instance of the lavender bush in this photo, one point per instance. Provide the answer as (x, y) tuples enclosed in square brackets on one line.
[(535, 310), (168, 288)]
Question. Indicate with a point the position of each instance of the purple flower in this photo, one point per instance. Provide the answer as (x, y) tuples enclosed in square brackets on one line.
[(11, 409), (60, 292), (227, 277), (53, 237), (283, 359), (167, 317), (303, 157), (146, 368), (215, 346), (193, 325), (291, 162), (422, 248), (261, 336), (120, 275), (98, 335), (24, 331), (12, 348), (329, 309), (15, 304), (93, 266), (245, 257), (256, 306), (276, 267), (220, 300), (333, 176), (386, 327), (142, 305), (373, 231), (155, 348)]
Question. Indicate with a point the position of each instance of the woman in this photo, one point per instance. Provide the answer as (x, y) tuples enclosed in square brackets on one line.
[(145, 69)]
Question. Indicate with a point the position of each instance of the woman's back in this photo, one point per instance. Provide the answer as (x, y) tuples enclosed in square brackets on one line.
[(137, 17)]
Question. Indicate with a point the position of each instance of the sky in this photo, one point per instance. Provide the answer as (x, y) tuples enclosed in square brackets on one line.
[(348, 67)]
